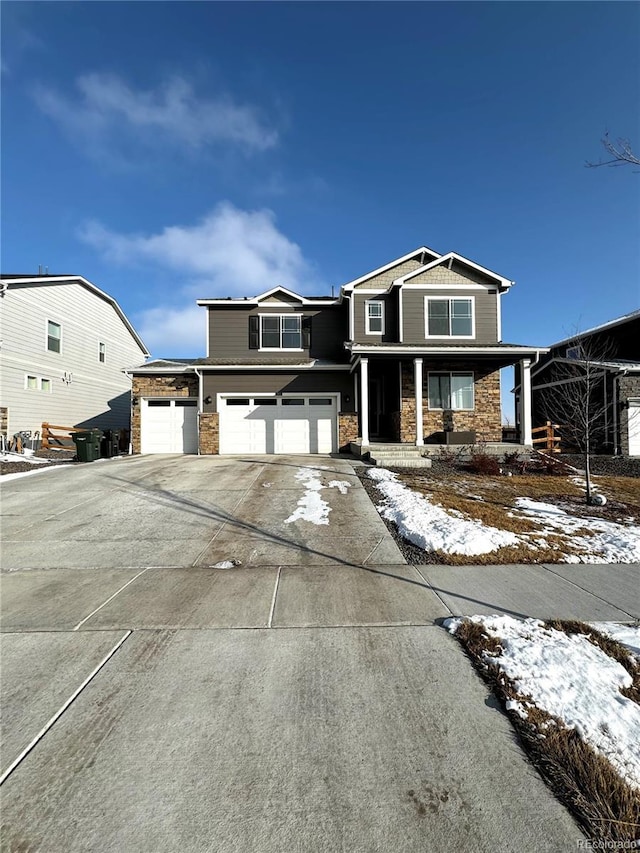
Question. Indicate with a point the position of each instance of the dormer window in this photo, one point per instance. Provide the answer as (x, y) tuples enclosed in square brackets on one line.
[(449, 318), (375, 317), (280, 331)]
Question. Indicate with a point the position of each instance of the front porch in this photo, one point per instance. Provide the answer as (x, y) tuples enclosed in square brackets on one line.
[(428, 401), (397, 454)]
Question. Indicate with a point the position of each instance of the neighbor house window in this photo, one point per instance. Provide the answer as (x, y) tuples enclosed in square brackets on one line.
[(280, 332), (54, 336), (449, 318), (45, 385), (451, 391), (102, 351), (32, 383), (375, 317)]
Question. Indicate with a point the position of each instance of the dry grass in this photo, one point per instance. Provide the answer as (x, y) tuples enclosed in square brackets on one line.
[(491, 500), (606, 807)]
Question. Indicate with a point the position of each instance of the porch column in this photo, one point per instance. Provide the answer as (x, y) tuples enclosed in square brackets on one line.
[(364, 400), (525, 401), (417, 369)]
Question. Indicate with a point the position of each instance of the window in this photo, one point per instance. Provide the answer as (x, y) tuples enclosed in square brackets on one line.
[(320, 401), (280, 332), (102, 352), (265, 401), (451, 391), (292, 401), (375, 317), (238, 401), (574, 352), (54, 336), (38, 383), (449, 318)]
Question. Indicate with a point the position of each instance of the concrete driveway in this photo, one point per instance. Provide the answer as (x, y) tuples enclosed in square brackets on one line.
[(305, 700)]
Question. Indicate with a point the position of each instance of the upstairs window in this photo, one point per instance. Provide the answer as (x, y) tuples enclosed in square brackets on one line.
[(54, 336), (449, 318), (102, 352), (280, 332), (375, 317), (451, 391)]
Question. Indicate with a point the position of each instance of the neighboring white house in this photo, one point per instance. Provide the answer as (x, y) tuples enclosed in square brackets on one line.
[(64, 346)]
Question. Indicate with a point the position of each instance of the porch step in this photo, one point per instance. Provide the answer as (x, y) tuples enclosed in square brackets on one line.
[(387, 461)]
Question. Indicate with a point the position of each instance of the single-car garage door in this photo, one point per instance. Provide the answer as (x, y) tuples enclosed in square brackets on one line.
[(169, 426), (283, 424)]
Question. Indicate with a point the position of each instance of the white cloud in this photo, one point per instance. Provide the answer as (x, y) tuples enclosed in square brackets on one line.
[(230, 252), (106, 106)]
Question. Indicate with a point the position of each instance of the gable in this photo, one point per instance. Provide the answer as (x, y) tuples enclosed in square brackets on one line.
[(280, 297), (385, 279), (458, 274)]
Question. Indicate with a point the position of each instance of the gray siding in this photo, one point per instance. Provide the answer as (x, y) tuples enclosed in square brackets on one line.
[(228, 331), (390, 314), (413, 302), (384, 279), (255, 382)]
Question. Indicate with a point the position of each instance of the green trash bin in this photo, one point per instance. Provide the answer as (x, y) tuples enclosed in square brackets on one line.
[(88, 445)]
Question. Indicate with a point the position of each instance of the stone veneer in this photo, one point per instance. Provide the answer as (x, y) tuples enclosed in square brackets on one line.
[(628, 386), (347, 429), (209, 433), (178, 385), (485, 419)]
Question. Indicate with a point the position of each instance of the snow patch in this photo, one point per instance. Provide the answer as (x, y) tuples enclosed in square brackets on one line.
[(227, 564), (626, 635), (311, 507), (37, 470), (570, 678), (431, 527)]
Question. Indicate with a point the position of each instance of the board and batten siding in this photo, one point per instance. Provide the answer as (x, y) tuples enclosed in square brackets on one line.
[(305, 382), (99, 394), (228, 331)]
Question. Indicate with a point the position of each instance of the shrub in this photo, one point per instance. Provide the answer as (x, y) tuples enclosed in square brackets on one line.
[(483, 463)]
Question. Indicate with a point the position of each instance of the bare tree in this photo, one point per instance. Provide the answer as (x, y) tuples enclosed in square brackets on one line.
[(621, 153), (575, 398)]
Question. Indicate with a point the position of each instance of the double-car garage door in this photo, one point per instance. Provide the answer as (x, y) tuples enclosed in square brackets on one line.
[(248, 424), (278, 424)]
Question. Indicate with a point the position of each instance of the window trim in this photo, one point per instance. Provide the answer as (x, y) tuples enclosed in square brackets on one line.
[(449, 299), (38, 383), (47, 336), (367, 303), (450, 374), (280, 317)]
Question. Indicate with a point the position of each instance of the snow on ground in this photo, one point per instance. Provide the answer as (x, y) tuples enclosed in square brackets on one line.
[(434, 528), (311, 507), (626, 635), (37, 470), (431, 527), (608, 543), (19, 457), (571, 678)]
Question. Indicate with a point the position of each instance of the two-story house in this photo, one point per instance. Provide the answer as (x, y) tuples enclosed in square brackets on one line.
[(64, 346), (610, 353), (406, 353)]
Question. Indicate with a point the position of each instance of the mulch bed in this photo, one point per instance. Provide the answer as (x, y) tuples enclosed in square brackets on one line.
[(55, 457)]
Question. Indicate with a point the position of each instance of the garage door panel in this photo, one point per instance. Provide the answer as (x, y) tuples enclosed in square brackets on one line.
[(169, 426), (278, 425)]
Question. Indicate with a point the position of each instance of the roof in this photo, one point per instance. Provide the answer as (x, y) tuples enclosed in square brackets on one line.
[(40, 280), (504, 283), (625, 318), (255, 300), (421, 250), (190, 365)]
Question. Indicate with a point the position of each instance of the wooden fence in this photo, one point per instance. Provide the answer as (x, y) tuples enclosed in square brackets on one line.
[(51, 441), (549, 438)]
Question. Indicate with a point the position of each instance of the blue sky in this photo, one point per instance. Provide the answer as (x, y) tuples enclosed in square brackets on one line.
[(168, 151)]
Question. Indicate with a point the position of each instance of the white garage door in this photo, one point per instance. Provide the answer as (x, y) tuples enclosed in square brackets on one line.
[(169, 426), (287, 424), (634, 427)]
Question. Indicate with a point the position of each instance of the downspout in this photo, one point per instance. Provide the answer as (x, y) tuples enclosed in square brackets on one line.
[(200, 402)]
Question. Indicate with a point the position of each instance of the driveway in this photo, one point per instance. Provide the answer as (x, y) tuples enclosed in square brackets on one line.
[(304, 700)]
